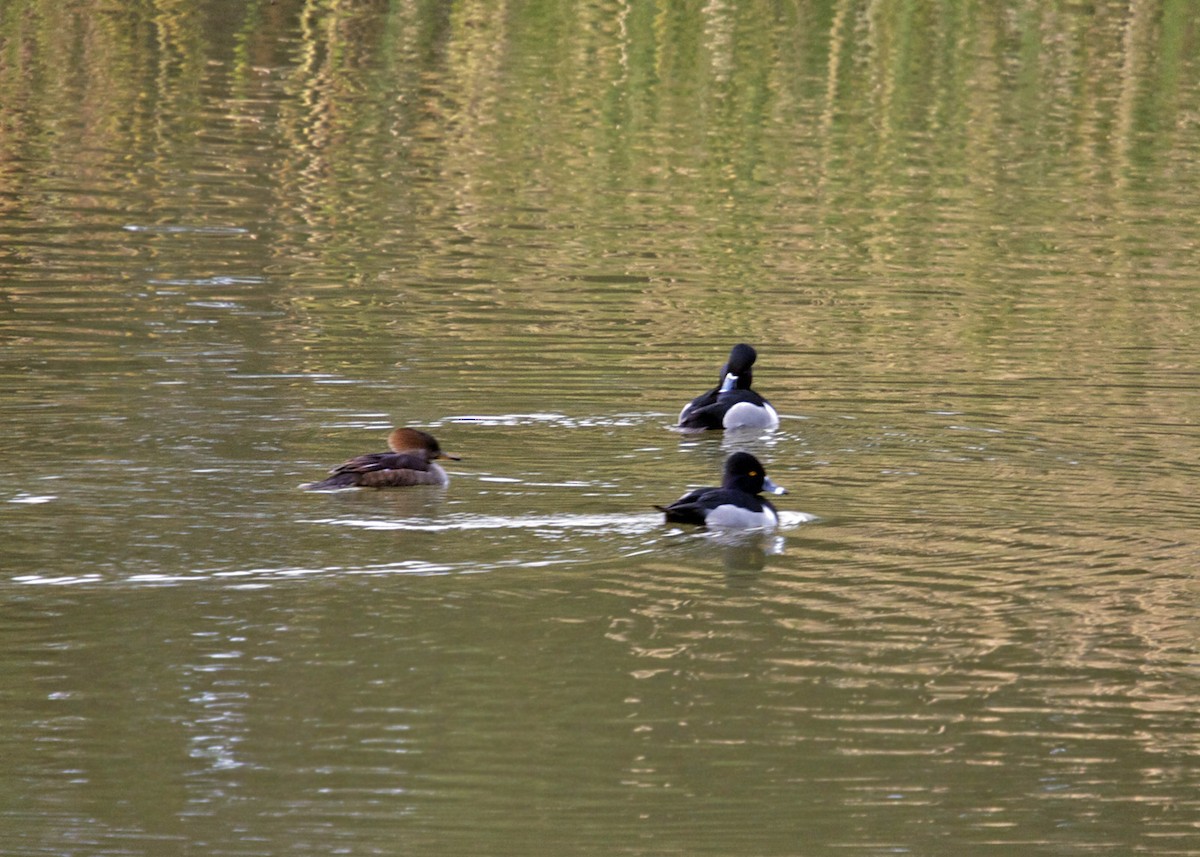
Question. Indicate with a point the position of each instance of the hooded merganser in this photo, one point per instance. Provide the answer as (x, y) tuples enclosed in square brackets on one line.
[(411, 462)]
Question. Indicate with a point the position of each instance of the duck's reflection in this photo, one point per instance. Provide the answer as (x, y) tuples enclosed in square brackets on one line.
[(745, 550), (418, 503)]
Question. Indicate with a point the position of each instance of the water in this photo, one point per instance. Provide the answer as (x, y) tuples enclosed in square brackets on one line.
[(239, 242)]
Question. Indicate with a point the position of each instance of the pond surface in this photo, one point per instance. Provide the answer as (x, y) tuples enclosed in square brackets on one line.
[(239, 241)]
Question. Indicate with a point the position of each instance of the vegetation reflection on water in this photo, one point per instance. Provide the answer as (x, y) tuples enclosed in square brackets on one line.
[(241, 240)]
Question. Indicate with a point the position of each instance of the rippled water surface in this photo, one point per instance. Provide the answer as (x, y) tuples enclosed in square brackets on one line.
[(241, 241)]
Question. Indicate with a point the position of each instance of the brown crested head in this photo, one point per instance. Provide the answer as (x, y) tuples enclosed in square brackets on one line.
[(413, 440)]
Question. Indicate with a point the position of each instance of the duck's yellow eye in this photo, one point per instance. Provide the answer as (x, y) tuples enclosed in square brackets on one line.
[(753, 472)]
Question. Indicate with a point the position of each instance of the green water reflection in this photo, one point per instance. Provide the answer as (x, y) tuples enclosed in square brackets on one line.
[(240, 240)]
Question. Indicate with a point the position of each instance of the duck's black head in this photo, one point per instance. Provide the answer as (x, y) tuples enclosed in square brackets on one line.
[(744, 472), (736, 373)]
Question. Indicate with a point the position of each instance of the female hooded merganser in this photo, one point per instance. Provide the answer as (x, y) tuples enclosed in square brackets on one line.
[(735, 504), (731, 404), (411, 462)]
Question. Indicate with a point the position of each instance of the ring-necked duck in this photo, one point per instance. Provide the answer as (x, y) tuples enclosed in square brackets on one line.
[(735, 504), (411, 462), (731, 404)]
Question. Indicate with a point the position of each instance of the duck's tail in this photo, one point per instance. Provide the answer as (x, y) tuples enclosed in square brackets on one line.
[(334, 483), (682, 513)]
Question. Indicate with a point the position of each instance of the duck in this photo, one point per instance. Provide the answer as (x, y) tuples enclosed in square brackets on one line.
[(735, 504), (410, 462), (731, 404)]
